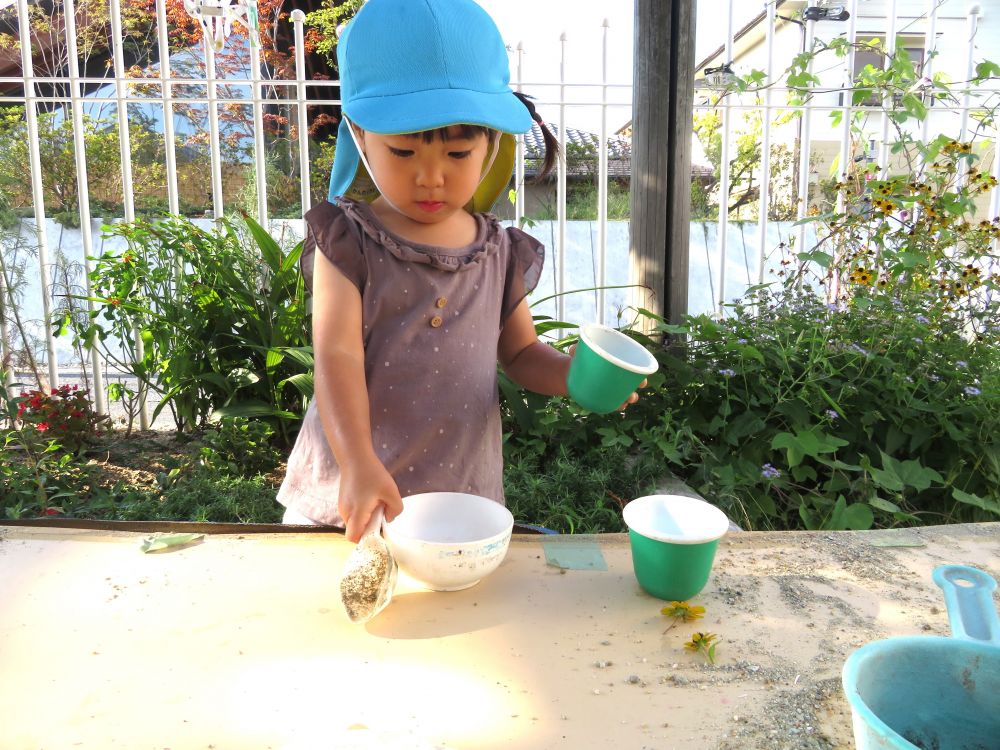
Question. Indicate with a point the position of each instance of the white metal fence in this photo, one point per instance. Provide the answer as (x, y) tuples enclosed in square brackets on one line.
[(953, 39)]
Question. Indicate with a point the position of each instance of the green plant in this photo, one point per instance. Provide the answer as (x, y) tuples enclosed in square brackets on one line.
[(37, 476), (704, 644), (579, 492), (127, 399), (65, 414), (239, 447), (221, 317), (837, 416), (58, 161), (203, 496)]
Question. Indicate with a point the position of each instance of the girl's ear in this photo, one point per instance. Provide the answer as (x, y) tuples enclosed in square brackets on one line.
[(359, 135)]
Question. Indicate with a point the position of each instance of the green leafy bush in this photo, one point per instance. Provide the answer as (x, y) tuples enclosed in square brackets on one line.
[(576, 493), (220, 315), (38, 474), (797, 413), (64, 415), (239, 447), (204, 495)]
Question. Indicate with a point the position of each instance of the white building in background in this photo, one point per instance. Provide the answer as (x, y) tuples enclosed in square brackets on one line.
[(959, 35)]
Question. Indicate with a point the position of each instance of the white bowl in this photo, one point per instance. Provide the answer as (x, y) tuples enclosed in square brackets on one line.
[(449, 540)]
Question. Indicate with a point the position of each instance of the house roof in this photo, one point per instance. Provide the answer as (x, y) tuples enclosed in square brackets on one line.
[(619, 152), (747, 37), (618, 148)]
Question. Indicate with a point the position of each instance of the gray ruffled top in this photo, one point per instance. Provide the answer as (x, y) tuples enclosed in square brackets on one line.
[(431, 318)]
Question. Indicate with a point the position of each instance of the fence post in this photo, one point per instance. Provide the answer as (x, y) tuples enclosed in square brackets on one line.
[(663, 104), (37, 189)]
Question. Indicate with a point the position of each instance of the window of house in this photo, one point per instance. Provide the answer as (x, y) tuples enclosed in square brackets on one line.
[(913, 46)]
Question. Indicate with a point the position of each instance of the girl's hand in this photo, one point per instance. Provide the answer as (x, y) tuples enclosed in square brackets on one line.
[(634, 397), (362, 488)]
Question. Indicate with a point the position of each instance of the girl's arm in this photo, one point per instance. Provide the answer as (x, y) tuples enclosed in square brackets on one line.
[(342, 399), (526, 360), (532, 364)]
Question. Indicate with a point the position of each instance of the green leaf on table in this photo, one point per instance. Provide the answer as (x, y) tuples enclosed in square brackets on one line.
[(159, 542)]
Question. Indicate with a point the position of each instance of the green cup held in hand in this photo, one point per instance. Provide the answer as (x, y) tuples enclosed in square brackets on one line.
[(606, 368)]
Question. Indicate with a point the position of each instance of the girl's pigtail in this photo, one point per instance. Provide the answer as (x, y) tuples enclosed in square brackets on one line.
[(551, 142)]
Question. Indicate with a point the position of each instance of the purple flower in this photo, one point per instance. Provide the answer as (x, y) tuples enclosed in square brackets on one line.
[(917, 340), (971, 390), (922, 319), (832, 414), (769, 472), (962, 363), (859, 350), (727, 373)]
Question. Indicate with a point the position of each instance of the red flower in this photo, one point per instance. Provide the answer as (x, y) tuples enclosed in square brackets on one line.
[(43, 426), (52, 511), (114, 301)]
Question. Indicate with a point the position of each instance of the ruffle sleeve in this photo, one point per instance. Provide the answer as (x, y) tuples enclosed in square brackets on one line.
[(330, 230), (524, 269)]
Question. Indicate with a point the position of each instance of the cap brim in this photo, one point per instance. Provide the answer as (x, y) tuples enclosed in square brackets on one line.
[(349, 177), (438, 108)]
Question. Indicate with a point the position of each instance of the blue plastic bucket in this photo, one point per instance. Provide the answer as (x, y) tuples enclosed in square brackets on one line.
[(930, 691)]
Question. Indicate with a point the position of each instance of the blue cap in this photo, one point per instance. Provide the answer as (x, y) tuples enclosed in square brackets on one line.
[(412, 65)]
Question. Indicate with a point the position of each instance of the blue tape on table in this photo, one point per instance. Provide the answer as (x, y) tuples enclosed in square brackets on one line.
[(574, 555)]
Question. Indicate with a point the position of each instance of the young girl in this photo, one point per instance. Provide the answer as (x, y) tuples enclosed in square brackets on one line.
[(416, 293)]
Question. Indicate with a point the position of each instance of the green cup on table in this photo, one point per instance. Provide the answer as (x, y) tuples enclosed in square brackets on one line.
[(673, 540), (607, 367)]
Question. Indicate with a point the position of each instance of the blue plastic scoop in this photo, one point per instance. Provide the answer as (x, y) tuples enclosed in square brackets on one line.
[(932, 692)]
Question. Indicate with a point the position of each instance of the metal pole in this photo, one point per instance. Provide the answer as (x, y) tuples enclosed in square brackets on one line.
[(724, 174), (83, 191), (602, 183), (167, 92), (298, 18), (804, 147), (259, 152), (519, 186), (5, 353), (128, 196), (930, 47), (846, 153), (765, 146), (218, 205), (561, 189), (37, 192), (970, 68), (890, 50)]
